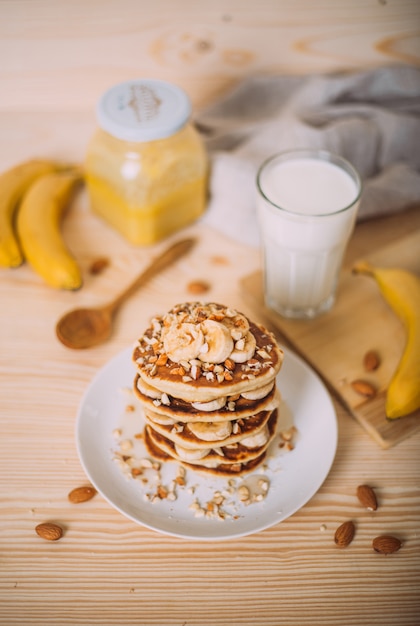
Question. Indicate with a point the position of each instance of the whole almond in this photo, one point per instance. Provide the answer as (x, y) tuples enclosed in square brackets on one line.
[(81, 494), (363, 388), (98, 265), (367, 497), (197, 287), (344, 534), (49, 531), (386, 544), (371, 361)]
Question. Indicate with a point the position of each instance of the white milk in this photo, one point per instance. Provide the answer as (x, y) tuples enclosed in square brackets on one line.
[(307, 208)]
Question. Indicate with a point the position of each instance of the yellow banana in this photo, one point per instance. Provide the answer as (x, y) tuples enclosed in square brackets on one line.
[(13, 185), (38, 228), (401, 290)]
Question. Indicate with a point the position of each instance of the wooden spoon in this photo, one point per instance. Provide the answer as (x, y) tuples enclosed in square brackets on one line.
[(84, 328)]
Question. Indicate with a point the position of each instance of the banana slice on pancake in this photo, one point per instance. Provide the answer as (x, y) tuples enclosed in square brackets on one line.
[(244, 349), (187, 454), (260, 392), (218, 344), (148, 390), (237, 324), (256, 440), (211, 431), (212, 405), (183, 341)]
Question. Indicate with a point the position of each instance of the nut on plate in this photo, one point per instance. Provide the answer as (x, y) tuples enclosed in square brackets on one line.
[(344, 534), (81, 494), (49, 531), (367, 497), (386, 544)]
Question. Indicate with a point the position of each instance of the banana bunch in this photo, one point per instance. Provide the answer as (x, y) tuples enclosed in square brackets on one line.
[(401, 290), (33, 197)]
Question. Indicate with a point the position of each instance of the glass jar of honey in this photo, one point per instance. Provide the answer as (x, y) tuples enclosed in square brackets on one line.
[(146, 166)]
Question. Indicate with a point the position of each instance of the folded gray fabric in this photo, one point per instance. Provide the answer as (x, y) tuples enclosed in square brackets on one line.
[(371, 118)]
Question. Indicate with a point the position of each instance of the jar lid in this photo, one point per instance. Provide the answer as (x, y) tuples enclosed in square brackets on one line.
[(143, 110)]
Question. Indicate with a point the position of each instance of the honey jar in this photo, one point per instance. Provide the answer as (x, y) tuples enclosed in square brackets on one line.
[(146, 165)]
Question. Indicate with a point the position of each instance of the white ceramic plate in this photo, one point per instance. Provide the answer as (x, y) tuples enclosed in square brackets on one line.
[(294, 476)]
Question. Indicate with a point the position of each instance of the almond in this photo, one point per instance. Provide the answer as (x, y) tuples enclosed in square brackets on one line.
[(367, 497), (386, 544), (344, 534), (82, 494), (198, 287), (98, 265), (363, 388), (49, 531), (371, 361)]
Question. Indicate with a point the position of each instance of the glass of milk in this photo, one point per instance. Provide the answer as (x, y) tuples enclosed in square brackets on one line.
[(307, 205)]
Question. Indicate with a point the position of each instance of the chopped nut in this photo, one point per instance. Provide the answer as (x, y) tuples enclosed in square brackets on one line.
[(243, 493), (162, 492), (229, 364), (162, 359)]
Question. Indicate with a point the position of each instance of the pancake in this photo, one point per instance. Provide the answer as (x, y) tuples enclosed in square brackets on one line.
[(226, 460), (190, 353), (232, 408), (197, 435), (206, 379)]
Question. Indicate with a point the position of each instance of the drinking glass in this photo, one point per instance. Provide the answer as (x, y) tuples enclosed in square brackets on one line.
[(307, 202)]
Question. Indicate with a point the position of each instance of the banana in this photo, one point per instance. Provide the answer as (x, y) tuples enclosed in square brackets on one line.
[(38, 228), (148, 390), (186, 454), (211, 405), (256, 441), (163, 420), (401, 290), (14, 183), (218, 344), (244, 349), (211, 431), (182, 341), (238, 325), (259, 393)]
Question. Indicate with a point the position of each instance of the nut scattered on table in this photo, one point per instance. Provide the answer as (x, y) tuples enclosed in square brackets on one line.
[(344, 534), (82, 494), (363, 388), (98, 266), (371, 361), (386, 544), (49, 531), (197, 287), (367, 497)]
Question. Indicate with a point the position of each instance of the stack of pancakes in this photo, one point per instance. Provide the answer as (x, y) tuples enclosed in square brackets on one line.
[(206, 378)]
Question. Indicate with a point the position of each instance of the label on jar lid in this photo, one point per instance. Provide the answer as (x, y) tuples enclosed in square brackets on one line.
[(143, 110)]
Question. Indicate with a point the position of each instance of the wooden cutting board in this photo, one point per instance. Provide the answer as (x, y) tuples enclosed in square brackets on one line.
[(336, 342)]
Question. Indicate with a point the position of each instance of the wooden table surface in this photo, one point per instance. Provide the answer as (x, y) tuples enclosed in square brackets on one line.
[(106, 569)]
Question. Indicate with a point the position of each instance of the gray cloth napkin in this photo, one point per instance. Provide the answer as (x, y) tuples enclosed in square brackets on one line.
[(371, 118)]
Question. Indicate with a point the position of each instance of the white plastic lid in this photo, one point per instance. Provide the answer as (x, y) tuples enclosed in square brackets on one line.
[(143, 110)]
